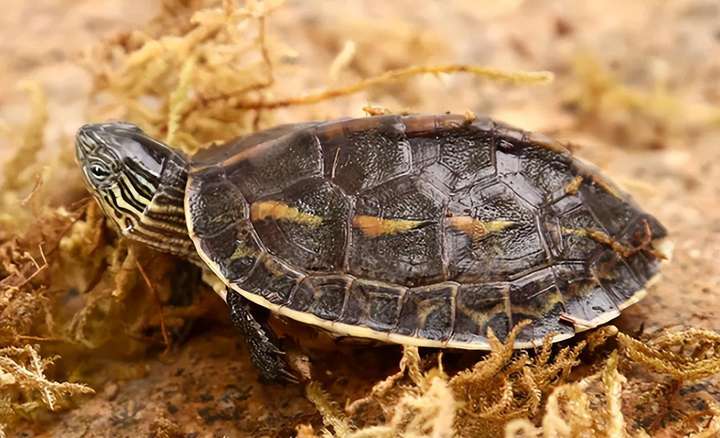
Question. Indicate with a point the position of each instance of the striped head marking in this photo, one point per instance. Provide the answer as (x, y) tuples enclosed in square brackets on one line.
[(126, 171)]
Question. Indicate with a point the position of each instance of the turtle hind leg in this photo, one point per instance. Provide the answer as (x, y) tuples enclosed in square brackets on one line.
[(265, 352)]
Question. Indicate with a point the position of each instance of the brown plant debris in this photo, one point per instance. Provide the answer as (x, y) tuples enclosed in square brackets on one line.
[(23, 385)]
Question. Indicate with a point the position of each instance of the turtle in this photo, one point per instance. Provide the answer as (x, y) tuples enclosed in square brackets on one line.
[(420, 229)]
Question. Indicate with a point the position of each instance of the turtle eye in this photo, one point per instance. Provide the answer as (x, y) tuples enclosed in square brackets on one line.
[(99, 172)]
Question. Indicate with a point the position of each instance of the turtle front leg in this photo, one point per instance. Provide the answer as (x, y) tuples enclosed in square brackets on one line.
[(265, 352)]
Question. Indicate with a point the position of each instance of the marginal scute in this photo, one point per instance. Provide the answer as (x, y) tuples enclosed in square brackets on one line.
[(476, 305), (322, 295), (373, 304), (429, 312), (640, 232), (638, 235), (272, 280), (536, 297), (643, 265), (585, 300), (615, 276), (500, 324)]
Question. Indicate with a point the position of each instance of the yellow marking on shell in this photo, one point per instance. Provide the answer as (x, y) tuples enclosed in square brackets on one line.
[(478, 317), (507, 304), (424, 310), (543, 141), (426, 307), (601, 237), (605, 185), (280, 211), (581, 325), (476, 227), (551, 299), (573, 186), (373, 226), (242, 251)]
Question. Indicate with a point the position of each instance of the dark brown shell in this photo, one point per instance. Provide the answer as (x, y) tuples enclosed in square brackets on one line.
[(425, 230)]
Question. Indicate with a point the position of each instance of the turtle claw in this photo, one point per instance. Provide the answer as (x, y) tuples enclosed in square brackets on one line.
[(265, 352), (288, 376), (274, 370), (270, 360), (274, 349)]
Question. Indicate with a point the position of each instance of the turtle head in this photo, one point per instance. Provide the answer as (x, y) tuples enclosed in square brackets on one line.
[(138, 181)]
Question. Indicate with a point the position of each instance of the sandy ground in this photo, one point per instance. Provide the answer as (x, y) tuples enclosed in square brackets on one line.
[(670, 163)]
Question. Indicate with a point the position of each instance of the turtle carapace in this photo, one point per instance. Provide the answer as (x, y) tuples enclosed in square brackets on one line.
[(421, 230)]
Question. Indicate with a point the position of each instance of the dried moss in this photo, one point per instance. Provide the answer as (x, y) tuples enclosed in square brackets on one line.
[(21, 175), (519, 395), (204, 72), (686, 355), (426, 408), (23, 385), (215, 80)]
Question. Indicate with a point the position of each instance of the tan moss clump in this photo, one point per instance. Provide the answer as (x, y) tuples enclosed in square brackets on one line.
[(425, 408), (519, 395), (509, 385), (476, 402), (24, 387), (686, 355)]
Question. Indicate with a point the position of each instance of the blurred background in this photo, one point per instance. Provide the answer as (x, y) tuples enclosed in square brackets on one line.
[(636, 91)]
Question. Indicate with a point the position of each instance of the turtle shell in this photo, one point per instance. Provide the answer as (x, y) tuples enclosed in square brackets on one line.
[(422, 230)]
